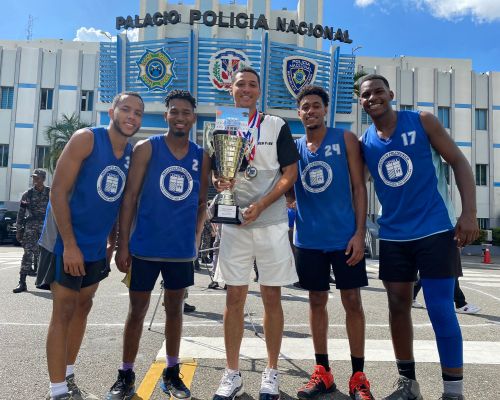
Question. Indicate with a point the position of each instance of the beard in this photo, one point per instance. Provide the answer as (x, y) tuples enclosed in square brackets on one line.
[(179, 133), (119, 129), (314, 127)]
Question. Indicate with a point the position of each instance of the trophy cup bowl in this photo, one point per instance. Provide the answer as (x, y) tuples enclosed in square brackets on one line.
[(229, 150)]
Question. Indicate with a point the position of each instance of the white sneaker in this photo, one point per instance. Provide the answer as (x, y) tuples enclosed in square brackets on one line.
[(231, 386), (417, 304), (269, 386), (468, 309)]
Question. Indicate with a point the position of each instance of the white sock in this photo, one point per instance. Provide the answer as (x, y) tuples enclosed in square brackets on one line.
[(57, 389), (70, 369), (453, 387)]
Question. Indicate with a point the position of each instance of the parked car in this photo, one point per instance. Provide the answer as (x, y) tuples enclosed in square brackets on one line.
[(8, 226)]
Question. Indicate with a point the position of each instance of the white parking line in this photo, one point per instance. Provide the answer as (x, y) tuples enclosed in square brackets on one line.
[(475, 352)]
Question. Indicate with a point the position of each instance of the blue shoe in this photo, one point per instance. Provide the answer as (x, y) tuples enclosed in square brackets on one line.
[(124, 387), (173, 385)]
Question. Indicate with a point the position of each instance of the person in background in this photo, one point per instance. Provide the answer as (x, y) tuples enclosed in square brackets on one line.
[(29, 226)]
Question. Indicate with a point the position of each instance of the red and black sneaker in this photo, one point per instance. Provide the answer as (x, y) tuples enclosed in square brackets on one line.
[(359, 387), (321, 382)]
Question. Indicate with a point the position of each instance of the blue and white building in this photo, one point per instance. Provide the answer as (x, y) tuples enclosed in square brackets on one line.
[(42, 80)]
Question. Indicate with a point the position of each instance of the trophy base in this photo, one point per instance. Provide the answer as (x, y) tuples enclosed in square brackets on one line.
[(224, 214)]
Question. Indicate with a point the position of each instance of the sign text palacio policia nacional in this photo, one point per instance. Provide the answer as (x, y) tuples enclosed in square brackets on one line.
[(239, 20)]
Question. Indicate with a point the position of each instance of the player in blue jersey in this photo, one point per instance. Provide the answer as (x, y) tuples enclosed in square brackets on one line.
[(169, 174), (418, 229), (331, 207), (84, 201)]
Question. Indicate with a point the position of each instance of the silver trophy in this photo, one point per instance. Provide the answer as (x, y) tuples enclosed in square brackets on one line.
[(229, 149)]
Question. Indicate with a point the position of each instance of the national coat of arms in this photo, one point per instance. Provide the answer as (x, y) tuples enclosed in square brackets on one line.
[(223, 65)]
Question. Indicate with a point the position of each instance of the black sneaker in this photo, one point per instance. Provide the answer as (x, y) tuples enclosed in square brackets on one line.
[(213, 285), (124, 387), (172, 384), (66, 396), (189, 308)]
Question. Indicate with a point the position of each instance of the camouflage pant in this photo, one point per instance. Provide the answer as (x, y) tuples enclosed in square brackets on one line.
[(32, 233)]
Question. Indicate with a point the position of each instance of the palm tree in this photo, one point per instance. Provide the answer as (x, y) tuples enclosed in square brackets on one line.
[(357, 76), (58, 135)]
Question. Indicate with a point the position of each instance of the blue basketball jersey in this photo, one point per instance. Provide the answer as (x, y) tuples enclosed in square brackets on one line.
[(168, 207), (95, 200), (325, 216), (409, 180)]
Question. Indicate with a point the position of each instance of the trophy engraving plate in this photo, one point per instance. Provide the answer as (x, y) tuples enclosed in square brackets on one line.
[(226, 211)]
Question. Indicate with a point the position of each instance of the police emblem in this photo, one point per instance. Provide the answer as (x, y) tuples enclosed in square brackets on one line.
[(156, 69), (223, 65), (298, 72)]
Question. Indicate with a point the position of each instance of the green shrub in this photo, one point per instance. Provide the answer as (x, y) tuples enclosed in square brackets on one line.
[(496, 236), (482, 237)]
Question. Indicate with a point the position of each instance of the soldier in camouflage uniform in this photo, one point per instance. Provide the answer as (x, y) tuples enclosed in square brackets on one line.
[(29, 225)]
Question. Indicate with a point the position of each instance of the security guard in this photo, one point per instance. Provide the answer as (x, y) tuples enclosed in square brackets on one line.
[(29, 225)]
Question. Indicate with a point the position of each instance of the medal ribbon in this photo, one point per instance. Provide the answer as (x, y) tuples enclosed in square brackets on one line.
[(254, 121)]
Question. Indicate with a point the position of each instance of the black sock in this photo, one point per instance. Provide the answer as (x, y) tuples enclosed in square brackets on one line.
[(358, 364), (406, 368), (322, 359), (448, 377)]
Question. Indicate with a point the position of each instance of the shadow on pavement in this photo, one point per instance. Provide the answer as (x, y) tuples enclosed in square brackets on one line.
[(492, 318), (373, 289), (45, 294)]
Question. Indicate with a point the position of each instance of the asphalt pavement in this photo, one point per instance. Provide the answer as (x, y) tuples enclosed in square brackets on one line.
[(24, 320)]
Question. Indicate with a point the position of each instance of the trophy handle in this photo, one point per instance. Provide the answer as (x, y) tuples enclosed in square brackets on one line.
[(209, 139)]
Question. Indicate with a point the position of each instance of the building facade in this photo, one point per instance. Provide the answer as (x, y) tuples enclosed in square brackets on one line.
[(42, 80)]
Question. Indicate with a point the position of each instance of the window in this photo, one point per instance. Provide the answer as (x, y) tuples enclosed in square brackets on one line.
[(42, 152), (444, 116), (6, 97), (406, 108), (4, 155), (481, 174), (365, 118), (484, 223), (87, 100), (46, 99), (481, 119)]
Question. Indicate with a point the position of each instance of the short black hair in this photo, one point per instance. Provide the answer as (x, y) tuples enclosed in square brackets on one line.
[(118, 98), (373, 77), (245, 68), (313, 90), (180, 94)]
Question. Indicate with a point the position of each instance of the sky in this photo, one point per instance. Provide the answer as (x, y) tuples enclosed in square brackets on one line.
[(379, 28)]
